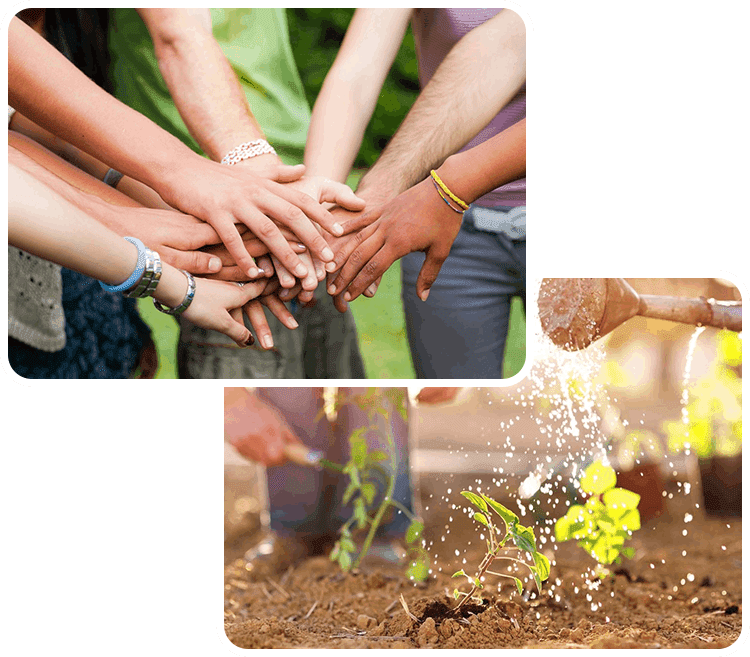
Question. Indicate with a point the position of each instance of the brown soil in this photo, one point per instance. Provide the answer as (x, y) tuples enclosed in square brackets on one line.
[(658, 599)]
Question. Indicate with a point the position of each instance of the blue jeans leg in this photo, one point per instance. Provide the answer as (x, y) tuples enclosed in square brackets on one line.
[(460, 331)]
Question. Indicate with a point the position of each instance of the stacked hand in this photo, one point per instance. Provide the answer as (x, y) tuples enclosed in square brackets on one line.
[(416, 220)]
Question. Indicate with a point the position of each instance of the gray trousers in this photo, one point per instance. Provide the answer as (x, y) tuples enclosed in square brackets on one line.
[(460, 331), (324, 346), (305, 501)]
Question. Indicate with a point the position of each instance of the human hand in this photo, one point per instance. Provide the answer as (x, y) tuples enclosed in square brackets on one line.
[(230, 271), (437, 395), (270, 298), (218, 305), (221, 194), (254, 429), (177, 237), (416, 220)]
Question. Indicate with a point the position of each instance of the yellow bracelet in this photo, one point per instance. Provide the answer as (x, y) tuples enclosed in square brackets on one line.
[(453, 197)]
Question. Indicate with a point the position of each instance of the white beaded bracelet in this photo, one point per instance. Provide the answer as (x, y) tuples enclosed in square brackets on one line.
[(247, 150)]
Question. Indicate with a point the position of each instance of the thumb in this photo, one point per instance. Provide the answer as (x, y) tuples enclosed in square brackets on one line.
[(196, 262), (285, 173), (341, 194), (428, 273)]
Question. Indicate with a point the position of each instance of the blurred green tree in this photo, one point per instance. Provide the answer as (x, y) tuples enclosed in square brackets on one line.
[(316, 35)]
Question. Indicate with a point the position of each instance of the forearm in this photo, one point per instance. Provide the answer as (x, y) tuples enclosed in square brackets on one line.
[(480, 75), (200, 80), (495, 162), (129, 186), (350, 91), (84, 114), (68, 236)]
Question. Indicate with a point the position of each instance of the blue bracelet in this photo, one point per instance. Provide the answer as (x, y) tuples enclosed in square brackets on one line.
[(137, 272)]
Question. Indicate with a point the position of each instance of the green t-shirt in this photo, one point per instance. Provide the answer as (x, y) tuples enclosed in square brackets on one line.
[(256, 44)]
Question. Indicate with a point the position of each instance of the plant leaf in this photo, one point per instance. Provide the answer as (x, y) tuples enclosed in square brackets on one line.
[(475, 500), (519, 585), (368, 492), (524, 538), (376, 455), (542, 566), (358, 446), (481, 518), (335, 552), (597, 478), (507, 515), (459, 573), (418, 570), (620, 500), (345, 561), (413, 532), (360, 513)]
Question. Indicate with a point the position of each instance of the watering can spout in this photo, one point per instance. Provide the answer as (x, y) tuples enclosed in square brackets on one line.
[(574, 312)]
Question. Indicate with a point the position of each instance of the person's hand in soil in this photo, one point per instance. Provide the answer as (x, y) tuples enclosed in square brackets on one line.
[(255, 429), (417, 220)]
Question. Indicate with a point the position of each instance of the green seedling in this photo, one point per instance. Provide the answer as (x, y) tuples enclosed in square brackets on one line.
[(364, 468), (605, 521), (523, 538), (712, 422)]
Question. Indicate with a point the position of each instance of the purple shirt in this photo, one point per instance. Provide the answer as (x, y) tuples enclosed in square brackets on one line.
[(436, 31)]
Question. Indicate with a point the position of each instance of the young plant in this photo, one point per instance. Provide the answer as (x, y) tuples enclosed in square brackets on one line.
[(712, 421), (369, 508), (605, 521), (523, 538)]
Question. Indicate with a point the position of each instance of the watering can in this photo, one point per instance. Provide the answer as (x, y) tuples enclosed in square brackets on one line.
[(574, 312)]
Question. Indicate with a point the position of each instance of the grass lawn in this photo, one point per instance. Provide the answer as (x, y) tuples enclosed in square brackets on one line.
[(380, 324)]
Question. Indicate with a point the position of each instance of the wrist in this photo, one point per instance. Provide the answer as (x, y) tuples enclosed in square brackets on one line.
[(453, 174), (172, 287)]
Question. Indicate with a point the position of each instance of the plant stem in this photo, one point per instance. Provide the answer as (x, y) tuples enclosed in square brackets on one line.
[(402, 508), (486, 563), (387, 501)]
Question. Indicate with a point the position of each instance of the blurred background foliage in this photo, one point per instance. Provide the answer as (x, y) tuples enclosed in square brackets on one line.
[(316, 35)]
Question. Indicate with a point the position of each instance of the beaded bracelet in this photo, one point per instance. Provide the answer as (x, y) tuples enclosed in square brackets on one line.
[(137, 272), (452, 196), (247, 150), (178, 310), (447, 202)]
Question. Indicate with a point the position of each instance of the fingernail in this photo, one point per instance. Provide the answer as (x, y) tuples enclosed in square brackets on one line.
[(214, 264), (267, 341), (250, 340), (347, 296), (313, 456), (372, 289), (301, 271), (293, 322), (320, 273), (327, 254), (331, 290), (287, 281), (330, 266), (424, 295), (338, 229), (252, 272)]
